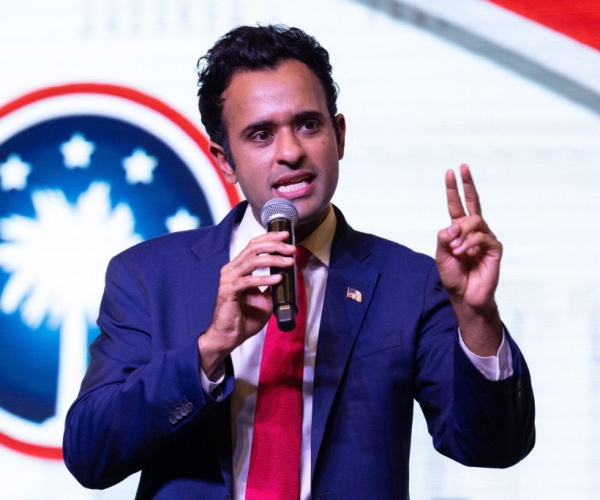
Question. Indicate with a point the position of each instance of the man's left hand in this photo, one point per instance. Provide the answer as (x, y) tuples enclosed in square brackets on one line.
[(468, 257)]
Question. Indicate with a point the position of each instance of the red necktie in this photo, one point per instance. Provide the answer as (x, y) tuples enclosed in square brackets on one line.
[(274, 471)]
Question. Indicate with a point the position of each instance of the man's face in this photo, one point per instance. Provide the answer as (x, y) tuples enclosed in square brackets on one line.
[(282, 140)]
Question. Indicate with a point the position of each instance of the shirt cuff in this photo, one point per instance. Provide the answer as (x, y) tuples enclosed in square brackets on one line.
[(213, 387), (498, 367)]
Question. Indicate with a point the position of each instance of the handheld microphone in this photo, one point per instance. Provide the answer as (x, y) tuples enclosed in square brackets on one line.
[(279, 214)]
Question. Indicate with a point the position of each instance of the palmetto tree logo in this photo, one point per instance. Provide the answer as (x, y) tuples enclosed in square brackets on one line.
[(55, 262), (88, 171)]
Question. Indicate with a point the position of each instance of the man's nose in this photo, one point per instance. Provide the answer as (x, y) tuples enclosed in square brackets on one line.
[(290, 149)]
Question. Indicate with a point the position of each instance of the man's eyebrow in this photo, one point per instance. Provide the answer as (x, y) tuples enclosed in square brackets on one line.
[(268, 124), (258, 125), (308, 115)]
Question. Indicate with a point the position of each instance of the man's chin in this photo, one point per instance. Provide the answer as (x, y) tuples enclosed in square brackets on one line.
[(311, 218)]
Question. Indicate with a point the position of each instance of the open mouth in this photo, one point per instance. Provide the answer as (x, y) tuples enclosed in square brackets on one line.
[(294, 185), (290, 188)]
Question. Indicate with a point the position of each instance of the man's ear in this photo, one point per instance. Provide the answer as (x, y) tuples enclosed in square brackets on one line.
[(226, 169), (341, 125)]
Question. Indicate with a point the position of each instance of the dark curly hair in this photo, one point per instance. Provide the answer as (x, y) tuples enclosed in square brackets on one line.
[(255, 48)]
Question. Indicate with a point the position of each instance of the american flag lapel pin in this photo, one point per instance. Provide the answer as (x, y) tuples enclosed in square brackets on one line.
[(354, 294)]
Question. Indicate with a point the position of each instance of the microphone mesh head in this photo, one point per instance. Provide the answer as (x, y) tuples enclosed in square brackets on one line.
[(278, 208)]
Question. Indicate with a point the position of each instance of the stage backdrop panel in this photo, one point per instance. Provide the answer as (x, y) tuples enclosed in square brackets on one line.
[(101, 146)]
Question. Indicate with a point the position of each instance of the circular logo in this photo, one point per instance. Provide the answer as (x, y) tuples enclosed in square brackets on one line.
[(86, 170)]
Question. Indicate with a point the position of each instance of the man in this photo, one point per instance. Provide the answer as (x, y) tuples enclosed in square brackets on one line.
[(173, 383)]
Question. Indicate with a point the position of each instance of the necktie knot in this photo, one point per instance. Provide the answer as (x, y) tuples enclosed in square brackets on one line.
[(302, 256)]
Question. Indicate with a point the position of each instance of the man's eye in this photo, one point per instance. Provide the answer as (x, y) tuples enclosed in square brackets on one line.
[(311, 125), (261, 136)]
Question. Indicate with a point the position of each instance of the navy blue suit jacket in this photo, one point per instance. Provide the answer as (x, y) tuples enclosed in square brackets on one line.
[(141, 406)]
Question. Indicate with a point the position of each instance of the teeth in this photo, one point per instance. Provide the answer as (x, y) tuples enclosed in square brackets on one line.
[(292, 187)]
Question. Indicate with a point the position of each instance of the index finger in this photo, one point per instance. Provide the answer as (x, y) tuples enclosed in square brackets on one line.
[(271, 242)]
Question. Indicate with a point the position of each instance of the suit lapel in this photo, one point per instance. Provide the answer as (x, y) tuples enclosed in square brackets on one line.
[(343, 315)]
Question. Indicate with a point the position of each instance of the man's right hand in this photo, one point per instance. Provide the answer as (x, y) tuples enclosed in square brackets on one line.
[(242, 309)]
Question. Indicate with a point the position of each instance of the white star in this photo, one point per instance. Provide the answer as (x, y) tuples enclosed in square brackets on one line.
[(139, 167), (77, 151), (13, 173), (182, 221)]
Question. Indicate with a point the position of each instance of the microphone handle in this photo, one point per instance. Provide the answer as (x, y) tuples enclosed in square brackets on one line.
[(284, 293)]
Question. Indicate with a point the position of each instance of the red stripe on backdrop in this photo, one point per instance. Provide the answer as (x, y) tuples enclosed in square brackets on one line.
[(33, 450), (578, 19)]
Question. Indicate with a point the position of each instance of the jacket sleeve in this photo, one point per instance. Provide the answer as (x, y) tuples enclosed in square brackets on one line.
[(472, 420), (142, 390)]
